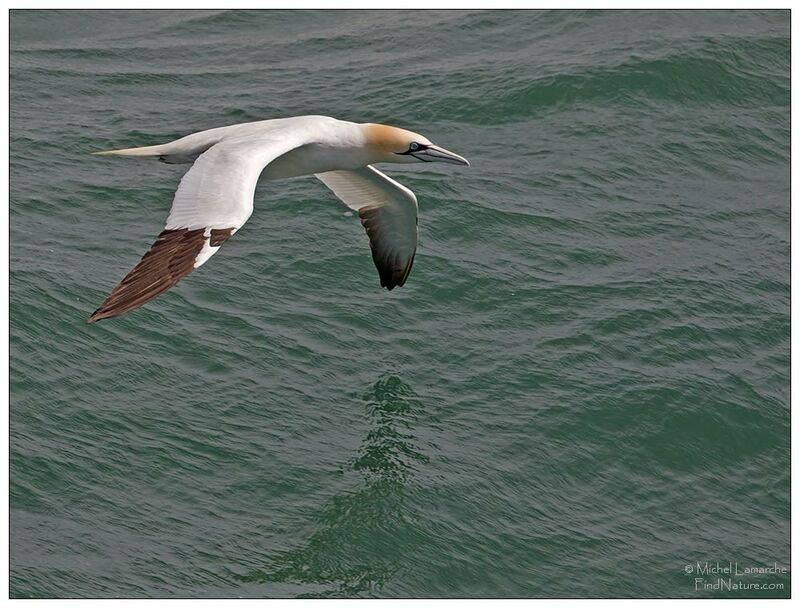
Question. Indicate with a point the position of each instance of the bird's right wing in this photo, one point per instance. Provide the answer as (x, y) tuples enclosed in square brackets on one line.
[(388, 211), (214, 199)]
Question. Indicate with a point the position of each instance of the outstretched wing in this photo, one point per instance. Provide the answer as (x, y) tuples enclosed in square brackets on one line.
[(214, 199), (388, 211)]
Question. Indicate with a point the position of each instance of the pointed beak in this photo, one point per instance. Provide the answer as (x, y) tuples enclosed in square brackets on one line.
[(435, 153)]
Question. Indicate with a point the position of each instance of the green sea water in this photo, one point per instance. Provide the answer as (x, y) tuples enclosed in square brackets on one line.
[(582, 390)]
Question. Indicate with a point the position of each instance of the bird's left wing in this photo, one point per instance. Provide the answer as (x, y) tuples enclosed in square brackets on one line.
[(214, 199), (388, 211)]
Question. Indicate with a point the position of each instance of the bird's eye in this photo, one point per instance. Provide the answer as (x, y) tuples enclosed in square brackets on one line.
[(414, 146)]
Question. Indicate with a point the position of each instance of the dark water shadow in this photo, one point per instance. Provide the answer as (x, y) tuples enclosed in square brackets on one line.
[(362, 534)]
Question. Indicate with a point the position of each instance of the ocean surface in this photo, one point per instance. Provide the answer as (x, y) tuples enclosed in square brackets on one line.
[(582, 390)]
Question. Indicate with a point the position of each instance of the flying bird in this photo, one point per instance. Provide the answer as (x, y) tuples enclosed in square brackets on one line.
[(215, 196)]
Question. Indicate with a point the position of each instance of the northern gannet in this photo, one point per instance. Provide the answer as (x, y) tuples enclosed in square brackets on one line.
[(215, 196)]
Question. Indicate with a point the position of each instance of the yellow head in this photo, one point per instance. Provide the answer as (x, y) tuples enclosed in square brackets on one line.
[(394, 145)]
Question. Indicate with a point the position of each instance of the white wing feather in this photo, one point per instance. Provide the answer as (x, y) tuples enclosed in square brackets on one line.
[(217, 192), (214, 199)]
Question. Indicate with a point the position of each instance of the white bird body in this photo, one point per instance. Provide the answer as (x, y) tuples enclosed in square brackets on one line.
[(322, 138), (215, 196)]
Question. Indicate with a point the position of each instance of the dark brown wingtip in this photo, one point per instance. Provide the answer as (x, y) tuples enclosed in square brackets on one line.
[(98, 315), (391, 270), (170, 259), (393, 276)]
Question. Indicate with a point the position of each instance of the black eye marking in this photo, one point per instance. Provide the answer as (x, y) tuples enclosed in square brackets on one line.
[(414, 147)]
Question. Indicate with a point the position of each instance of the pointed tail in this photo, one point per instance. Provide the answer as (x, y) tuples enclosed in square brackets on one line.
[(144, 151)]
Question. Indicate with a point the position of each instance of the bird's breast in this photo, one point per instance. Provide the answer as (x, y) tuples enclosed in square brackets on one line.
[(314, 158)]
